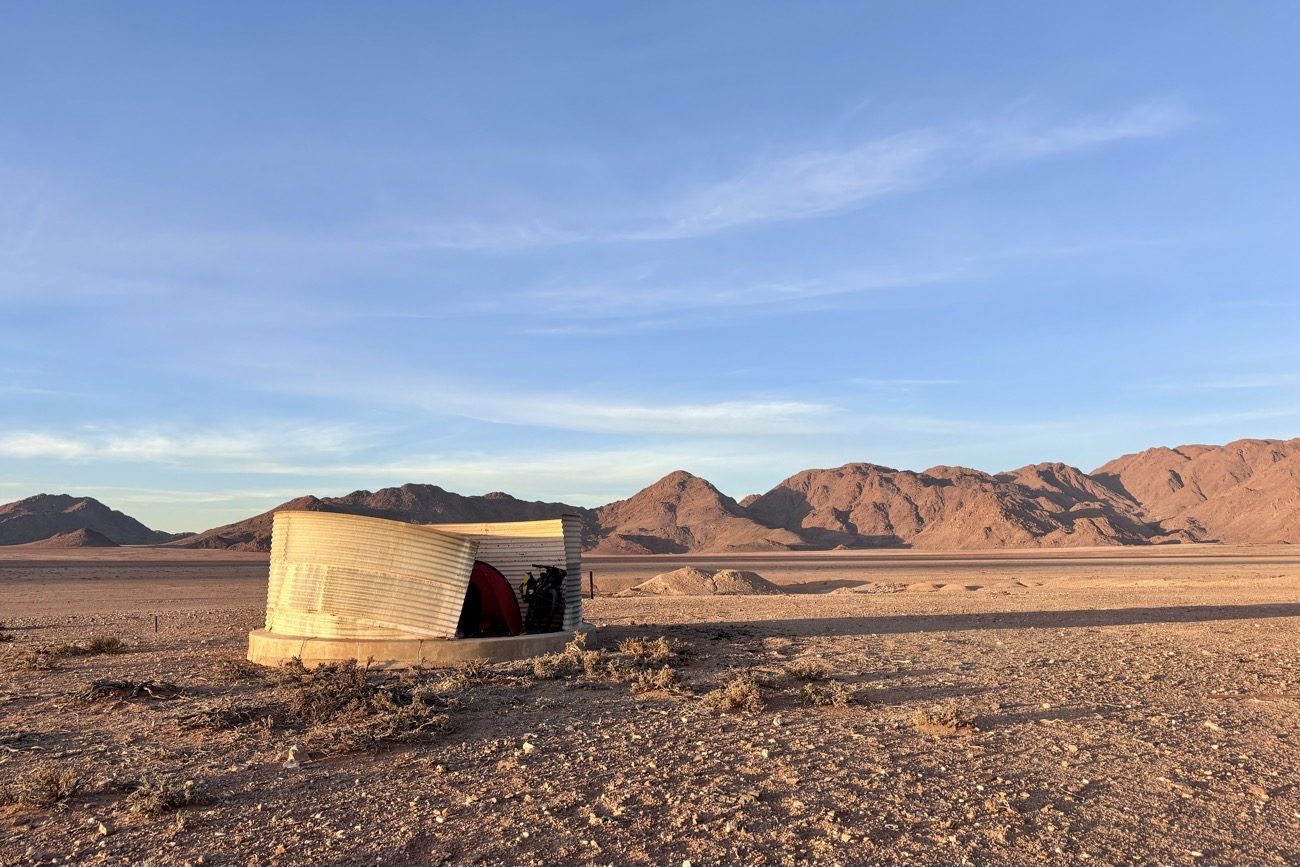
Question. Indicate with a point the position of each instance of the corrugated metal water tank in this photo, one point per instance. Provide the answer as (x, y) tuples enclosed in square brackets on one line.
[(349, 576)]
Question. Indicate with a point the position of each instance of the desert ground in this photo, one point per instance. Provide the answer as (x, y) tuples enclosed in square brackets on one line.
[(893, 707)]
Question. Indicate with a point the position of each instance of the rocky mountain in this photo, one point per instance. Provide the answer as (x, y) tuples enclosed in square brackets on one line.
[(1245, 491), (45, 515), (428, 504), (865, 505), (682, 512)]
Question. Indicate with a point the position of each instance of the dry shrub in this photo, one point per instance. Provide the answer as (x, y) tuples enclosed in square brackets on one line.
[(593, 663), (740, 693), (943, 720), (46, 656), (663, 680), (44, 785), (345, 707), (808, 668), (830, 694), (37, 659), (6, 636), (400, 715), (128, 689), (234, 670), (228, 715), (468, 674), (638, 661), (104, 644), (550, 666), (568, 662), (319, 694), (658, 651), (334, 739), (159, 793)]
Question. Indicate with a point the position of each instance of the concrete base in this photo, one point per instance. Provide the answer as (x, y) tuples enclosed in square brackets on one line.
[(269, 648)]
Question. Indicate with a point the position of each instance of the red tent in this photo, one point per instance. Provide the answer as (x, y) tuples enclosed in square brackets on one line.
[(490, 609)]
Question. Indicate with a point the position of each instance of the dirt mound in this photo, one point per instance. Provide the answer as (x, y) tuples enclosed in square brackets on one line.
[(45, 516), (692, 581), (82, 538)]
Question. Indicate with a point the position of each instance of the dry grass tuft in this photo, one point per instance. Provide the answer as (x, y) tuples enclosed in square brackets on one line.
[(637, 661), (943, 721), (469, 674), (227, 715), (45, 785), (234, 670), (46, 657), (36, 659), (550, 666), (657, 651), (740, 693), (6, 636), (808, 668), (663, 680), (129, 689), (160, 793), (567, 663), (830, 694), (97, 644)]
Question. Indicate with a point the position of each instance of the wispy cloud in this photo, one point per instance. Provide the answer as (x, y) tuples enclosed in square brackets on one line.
[(818, 177), (755, 418), (556, 410), (643, 295), (1021, 140), (804, 183), (821, 179), (868, 382), (34, 444), (1289, 379), (192, 449), (22, 210), (641, 300), (582, 477)]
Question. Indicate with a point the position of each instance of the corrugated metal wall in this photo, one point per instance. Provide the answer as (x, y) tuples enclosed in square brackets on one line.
[(514, 546), (348, 576)]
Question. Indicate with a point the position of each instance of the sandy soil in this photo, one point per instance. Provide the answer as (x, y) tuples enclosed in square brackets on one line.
[(1113, 707)]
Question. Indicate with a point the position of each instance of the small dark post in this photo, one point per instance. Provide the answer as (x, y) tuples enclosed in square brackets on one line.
[(155, 623), (591, 585)]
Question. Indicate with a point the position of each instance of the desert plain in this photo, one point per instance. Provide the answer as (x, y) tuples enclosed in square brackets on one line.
[(1107, 705)]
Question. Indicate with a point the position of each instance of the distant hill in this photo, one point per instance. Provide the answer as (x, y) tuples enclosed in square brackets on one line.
[(426, 504), (865, 505), (49, 515), (1247, 491), (76, 539), (681, 513)]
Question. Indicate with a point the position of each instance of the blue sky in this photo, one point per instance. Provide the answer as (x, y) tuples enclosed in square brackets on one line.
[(250, 250)]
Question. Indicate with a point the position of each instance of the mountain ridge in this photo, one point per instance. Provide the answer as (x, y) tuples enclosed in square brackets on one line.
[(43, 516), (1245, 491)]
